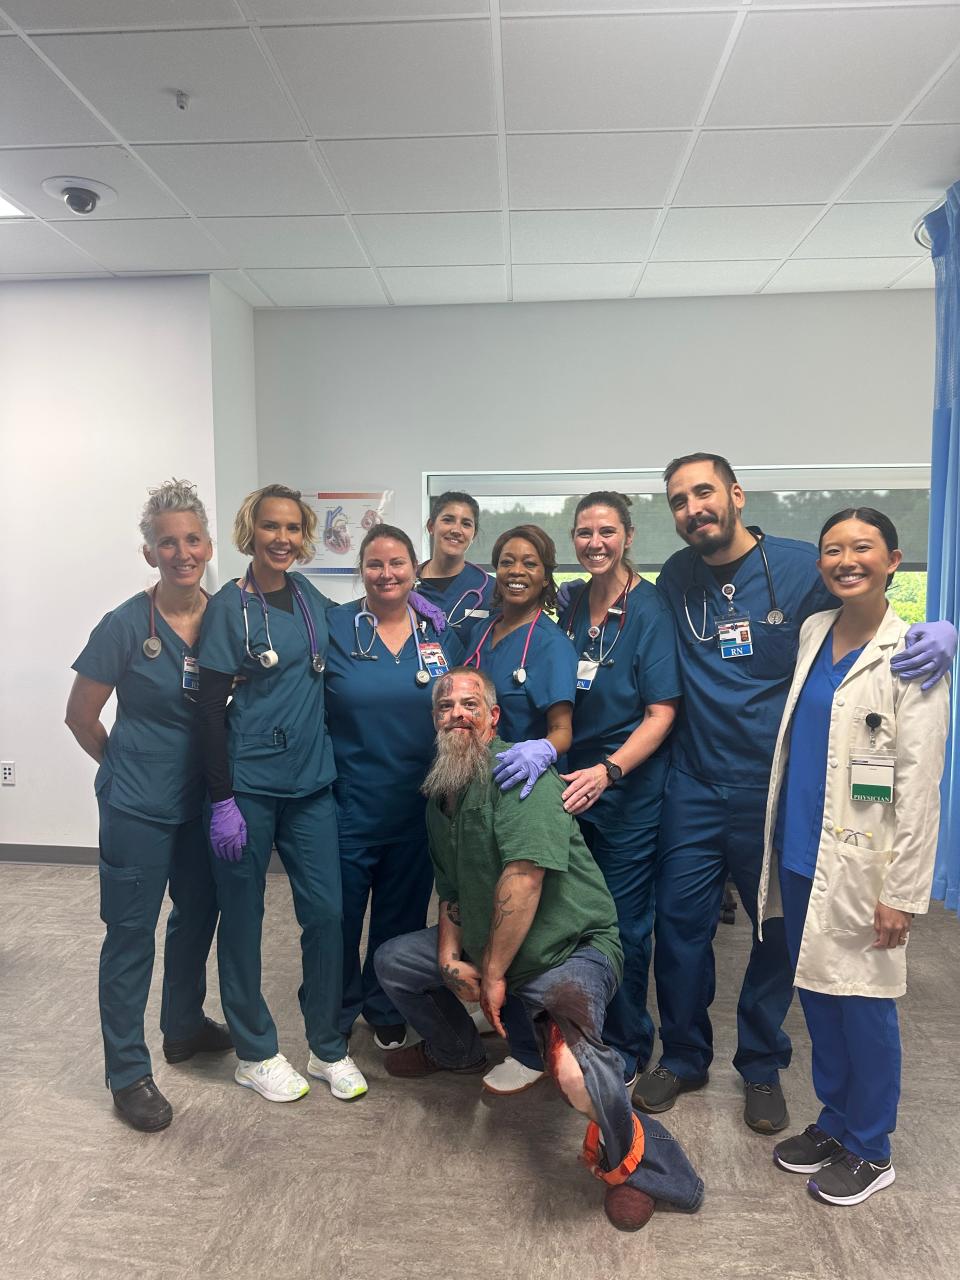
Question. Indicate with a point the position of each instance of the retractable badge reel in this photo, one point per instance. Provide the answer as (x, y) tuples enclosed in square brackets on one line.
[(872, 773), (733, 632)]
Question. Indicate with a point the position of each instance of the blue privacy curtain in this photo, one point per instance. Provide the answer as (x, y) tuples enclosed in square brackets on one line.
[(943, 562)]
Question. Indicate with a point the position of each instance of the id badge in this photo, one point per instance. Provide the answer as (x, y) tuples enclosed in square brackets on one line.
[(433, 658), (586, 672), (872, 776), (191, 673), (734, 637)]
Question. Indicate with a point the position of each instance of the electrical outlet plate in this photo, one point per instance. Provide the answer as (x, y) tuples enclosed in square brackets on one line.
[(8, 773)]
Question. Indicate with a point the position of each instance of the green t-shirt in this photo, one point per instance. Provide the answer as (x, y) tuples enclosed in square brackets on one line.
[(491, 828)]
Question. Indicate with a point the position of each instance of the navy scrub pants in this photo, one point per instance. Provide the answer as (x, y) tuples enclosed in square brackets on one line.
[(397, 879), (707, 832), (304, 829), (138, 859), (856, 1048)]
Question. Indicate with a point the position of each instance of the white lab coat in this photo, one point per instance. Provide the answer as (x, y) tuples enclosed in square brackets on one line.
[(893, 861)]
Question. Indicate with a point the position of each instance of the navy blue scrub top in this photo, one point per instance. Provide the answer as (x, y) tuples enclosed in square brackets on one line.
[(381, 724), (645, 670), (728, 722), (276, 736), (800, 812), (464, 616), (152, 760), (551, 669)]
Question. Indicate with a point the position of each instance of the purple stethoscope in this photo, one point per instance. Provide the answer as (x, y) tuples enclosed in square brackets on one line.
[(471, 593), (269, 657)]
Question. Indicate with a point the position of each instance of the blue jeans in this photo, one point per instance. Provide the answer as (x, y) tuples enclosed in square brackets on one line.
[(574, 996)]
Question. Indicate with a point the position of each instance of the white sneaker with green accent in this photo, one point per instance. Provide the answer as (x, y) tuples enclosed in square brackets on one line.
[(511, 1076), (273, 1078), (343, 1076)]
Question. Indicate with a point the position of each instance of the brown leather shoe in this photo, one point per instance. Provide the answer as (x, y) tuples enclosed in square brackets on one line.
[(414, 1061), (627, 1207)]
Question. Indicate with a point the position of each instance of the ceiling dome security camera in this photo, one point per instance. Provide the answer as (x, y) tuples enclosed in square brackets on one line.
[(80, 200)]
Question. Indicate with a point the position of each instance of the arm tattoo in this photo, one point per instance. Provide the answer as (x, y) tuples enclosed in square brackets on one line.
[(452, 979), (503, 896), (453, 913)]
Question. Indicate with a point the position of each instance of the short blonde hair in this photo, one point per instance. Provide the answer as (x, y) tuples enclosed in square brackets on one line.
[(243, 525)]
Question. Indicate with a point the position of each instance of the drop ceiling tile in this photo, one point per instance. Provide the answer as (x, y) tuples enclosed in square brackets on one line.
[(335, 287), (649, 71), (168, 244), (730, 233), (243, 287), (432, 239), (138, 196), (413, 286), (243, 179), (695, 279), (824, 275), (69, 15), (35, 106), (509, 7), (918, 163), (21, 277), (131, 78), (361, 10), (592, 170), (27, 248), (832, 66), (772, 166), (581, 235), (864, 231), (921, 277), (287, 242), (558, 283), (417, 175), (942, 103), (378, 80)]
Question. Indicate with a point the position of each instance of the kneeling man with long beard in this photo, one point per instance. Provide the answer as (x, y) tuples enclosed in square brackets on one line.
[(524, 908)]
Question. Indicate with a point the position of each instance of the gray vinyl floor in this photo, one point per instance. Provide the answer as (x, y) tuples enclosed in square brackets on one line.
[(417, 1179)]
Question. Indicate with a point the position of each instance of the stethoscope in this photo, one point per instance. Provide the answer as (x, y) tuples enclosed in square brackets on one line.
[(774, 614), (617, 610), (153, 645), (367, 655), (269, 657), (472, 593), (520, 674)]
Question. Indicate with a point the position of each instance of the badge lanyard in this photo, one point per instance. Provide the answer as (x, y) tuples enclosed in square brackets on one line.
[(269, 657), (425, 660), (618, 610), (520, 674), (153, 646)]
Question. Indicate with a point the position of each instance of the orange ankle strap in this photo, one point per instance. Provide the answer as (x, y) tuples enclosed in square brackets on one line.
[(591, 1151)]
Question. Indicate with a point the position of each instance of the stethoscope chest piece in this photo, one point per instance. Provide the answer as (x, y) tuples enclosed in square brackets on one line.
[(318, 664), (775, 617), (152, 647), (520, 676), (269, 658), (422, 678)]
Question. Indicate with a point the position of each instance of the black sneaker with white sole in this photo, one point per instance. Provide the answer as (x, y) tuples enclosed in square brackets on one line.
[(807, 1152), (393, 1036), (764, 1107), (850, 1180)]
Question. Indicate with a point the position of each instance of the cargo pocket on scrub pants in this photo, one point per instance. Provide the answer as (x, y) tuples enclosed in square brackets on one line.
[(121, 895)]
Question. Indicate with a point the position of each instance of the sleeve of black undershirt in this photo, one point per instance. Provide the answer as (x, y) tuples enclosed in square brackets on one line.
[(211, 703)]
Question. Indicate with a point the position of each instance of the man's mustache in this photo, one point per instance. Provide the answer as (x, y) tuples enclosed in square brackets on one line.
[(698, 522)]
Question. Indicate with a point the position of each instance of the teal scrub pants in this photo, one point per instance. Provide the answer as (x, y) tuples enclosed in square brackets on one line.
[(304, 830), (138, 859)]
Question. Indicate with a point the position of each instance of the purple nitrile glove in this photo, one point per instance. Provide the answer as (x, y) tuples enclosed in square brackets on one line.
[(931, 649), (565, 593), (434, 615), (524, 760), (228, 831)]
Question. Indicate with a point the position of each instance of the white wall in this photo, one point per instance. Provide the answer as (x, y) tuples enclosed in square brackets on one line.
[(105, 389), (371, 398)]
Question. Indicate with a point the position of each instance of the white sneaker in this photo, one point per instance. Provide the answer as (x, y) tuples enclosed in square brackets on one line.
[(511, 1076), (480, 1022), (274, 1078), (344, 1076)]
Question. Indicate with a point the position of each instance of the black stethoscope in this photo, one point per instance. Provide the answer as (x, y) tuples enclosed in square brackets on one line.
[(616, 610), (269, 657), (775, 614), (153, 645), (520, 674)]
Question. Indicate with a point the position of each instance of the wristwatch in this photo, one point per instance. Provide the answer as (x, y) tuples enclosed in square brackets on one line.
[(614, 772)]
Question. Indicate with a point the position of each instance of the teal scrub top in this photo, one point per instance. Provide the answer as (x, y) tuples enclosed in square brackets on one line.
[(276, 735), (645, 670), (462, 608), (381, 724), (551, 669), (152, 761)]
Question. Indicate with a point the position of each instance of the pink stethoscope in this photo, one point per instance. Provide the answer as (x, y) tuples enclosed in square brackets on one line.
[(520, 675)]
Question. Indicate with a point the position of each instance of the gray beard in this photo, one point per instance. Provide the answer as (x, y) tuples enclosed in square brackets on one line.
[(460, 760)]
